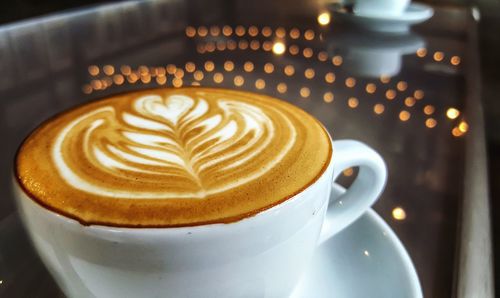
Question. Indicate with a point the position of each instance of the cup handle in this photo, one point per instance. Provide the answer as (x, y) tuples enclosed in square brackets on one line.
[(364, 191)]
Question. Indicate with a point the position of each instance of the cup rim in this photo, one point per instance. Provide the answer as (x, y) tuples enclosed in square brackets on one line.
[(64, 215)]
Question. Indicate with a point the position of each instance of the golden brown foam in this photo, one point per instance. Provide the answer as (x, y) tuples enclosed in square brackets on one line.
[(172, 157)]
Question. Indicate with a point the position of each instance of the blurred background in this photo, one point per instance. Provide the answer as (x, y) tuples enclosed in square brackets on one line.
[(489, 49)]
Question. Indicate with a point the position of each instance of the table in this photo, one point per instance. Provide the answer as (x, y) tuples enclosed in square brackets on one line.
[(414, 97)]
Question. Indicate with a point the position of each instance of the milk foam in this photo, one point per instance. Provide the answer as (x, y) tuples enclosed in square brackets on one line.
[(155, 138), (172, 157)]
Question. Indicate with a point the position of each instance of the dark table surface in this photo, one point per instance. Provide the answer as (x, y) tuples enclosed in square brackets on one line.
[(403, 94)]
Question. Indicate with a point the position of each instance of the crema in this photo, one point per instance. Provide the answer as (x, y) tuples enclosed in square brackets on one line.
[(172, 157)]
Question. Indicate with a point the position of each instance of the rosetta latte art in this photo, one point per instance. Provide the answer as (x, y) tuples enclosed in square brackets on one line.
[(177, 146)]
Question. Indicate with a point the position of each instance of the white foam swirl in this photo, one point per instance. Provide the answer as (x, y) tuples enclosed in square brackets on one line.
[(176, 138)]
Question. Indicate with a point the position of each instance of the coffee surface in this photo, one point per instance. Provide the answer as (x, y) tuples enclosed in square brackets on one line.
[(172, 157)]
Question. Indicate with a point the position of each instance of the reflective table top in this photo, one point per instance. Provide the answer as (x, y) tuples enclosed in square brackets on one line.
[(401, 93)]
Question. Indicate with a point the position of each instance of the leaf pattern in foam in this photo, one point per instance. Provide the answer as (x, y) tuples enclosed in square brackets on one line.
[(176, 136)]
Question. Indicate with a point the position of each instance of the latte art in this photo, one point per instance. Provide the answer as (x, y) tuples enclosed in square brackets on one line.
[(172, 157), (178, 141)]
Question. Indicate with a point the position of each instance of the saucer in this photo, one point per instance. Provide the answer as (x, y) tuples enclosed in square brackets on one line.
[(415, 13), (364, 260)]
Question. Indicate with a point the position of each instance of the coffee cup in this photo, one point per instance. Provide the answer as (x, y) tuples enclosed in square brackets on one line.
[(259, 255), (380, 8)]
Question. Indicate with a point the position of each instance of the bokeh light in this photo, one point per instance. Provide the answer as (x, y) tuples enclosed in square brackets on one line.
[(330, 77), (370, 88), (108, 70), (282, 88), (328, 97), (337, 60), (409, 101), (399, 213), (268, 68), (279, 48), (404, 115), (93, 70), (350, 82), (353, 102), (228, 66), (438, 56), (455, 60), (295, 33), (378, 108), (260, 84), (422, 52), (238, 81), (429, 109), (402, 85), (324, 18), (309, 73), (452, 113), (305, 92), (289, 70), (390, 94), (248, 66), (218, 77), (430, 122)]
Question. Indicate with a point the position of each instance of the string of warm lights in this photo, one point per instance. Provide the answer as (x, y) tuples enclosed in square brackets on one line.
[(145, 75), (279, 48), (350, 82), (322, 56), (252, 31), (439, 56), (176, 76), (323, 19)]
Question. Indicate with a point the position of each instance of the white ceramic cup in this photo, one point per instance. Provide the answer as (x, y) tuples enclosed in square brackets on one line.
[(259, 256), (380, 8)]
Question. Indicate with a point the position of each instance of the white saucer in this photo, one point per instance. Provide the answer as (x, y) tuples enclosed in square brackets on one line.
[(364, 260), (415, 13)]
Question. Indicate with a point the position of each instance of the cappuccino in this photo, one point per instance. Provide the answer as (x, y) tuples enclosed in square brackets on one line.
[(172, 157)]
